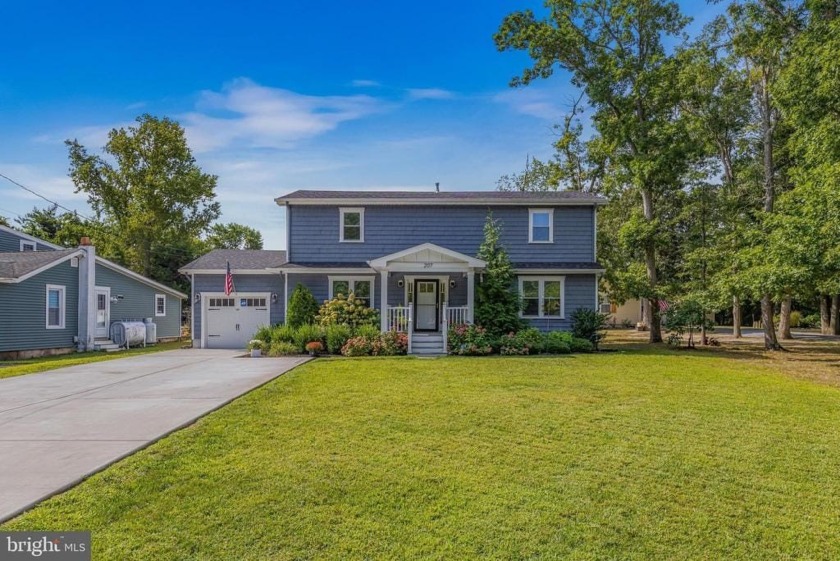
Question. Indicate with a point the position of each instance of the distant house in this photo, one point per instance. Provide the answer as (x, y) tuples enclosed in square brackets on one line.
[(56, 300), (411, 255)]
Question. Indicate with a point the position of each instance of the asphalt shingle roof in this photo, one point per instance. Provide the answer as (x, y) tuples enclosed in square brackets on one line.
[(253, 259), (499, 197), (558, 265), (20, 263)]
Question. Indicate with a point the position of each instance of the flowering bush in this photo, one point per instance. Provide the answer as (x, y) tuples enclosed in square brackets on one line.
[(514, 344), (349, 311), (392, 343), (314, 347), (471, 340), (256, 345), (357, 346)]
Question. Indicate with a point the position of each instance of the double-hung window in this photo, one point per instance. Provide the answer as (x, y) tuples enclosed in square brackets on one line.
[(352, 228), (542, 297), (362, 288), (160, 305), (541, 225), (56, 304)]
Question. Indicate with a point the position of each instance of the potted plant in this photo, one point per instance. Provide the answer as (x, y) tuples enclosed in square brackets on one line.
[(256, 347), (314, 347)]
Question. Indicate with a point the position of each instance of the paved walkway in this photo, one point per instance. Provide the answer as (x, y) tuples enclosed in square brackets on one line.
[(60, 426)]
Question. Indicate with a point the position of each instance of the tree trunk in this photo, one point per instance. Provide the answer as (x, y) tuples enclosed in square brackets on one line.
[(784, 319), (770, 341), (835, 314), (650, 264), (825, 314), (736, 317)]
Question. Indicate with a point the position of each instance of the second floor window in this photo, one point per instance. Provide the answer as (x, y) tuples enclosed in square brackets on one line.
[(352, 225), (541, 225)]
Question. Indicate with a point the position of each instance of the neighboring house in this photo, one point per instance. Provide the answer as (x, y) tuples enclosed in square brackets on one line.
[(55, 300), (412, 255)]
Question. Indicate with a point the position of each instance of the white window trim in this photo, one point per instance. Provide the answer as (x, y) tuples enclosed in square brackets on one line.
[(62, 306), (541, 296), (158, 314), (531, 213), (349, 210), (30, 243), (351, 280)]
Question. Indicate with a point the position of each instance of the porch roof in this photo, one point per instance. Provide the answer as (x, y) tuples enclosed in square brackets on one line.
[(425, 257)]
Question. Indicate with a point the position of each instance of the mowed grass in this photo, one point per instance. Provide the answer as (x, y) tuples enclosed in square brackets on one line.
[(649, 455), (12, 368)]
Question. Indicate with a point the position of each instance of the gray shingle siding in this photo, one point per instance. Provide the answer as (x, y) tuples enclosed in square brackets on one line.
[(580, 293), (319, 284), (244, 283), (139, 301), (23, 308), (388, 229)]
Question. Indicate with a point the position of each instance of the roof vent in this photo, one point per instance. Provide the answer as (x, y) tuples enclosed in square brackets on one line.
[(437, 187)]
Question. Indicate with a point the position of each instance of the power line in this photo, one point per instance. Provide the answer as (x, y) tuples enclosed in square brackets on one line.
[(25, 188)]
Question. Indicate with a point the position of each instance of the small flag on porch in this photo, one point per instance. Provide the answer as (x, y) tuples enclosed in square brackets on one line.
[(229, 281)]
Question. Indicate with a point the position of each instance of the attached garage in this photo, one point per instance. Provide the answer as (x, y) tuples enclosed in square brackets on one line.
[(231, 321)]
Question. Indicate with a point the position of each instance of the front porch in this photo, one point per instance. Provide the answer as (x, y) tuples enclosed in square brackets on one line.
[(424, 291)]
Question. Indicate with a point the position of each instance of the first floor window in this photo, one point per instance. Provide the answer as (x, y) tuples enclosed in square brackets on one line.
[(160, 305), (55, 306), (541, 297), (361, 288)]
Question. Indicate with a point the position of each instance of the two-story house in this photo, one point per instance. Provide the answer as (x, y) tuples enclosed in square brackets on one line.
[(411, 255)]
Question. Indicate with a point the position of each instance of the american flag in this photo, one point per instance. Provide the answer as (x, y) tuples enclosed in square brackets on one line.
[(664, 306), (229, 281)]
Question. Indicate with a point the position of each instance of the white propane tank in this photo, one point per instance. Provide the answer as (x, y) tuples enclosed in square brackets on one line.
[(129, 333), (151, 331)]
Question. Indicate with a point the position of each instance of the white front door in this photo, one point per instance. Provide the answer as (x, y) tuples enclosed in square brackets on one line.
[(425, 308), (103, 312)]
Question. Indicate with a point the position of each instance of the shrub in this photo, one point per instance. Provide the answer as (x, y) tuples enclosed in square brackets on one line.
[(307, 334), (557, 342), (337, 336), (590, 325), (795, 319), (284, 333), (512, 344), (811, 320), (357, 346), (302, 307), (392, 343), (533, 339), (264, 334), (348, 311), (283, 348), (579, 345), (369, 331), (467, 339), (257, 345)]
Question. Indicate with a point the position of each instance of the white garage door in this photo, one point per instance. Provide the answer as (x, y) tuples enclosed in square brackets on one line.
[(231, 321)]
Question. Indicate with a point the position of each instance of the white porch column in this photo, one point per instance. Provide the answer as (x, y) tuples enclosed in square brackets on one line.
[(383, 302), (470, 294)]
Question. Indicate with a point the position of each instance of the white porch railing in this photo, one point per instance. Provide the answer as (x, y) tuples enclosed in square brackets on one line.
[(456, 315), (399, 319)]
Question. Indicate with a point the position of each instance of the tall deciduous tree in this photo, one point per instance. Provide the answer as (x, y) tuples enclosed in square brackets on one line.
[(234, 236), (61, 228), (147, 190), (615, 51)]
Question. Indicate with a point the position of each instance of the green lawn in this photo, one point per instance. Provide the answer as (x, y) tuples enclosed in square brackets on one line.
[(32, 365), (648, 455)]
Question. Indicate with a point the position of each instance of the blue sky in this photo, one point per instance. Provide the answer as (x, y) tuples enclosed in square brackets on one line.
[(276, 96)]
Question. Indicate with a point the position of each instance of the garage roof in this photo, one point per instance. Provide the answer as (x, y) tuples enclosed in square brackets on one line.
[(239, 259)]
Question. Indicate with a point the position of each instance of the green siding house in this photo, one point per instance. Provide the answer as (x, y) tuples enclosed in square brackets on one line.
[(54, 299)]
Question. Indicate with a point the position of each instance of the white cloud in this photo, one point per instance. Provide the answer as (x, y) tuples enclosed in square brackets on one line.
[(252, 115), (533, 102), (365, 84), (417, 94)]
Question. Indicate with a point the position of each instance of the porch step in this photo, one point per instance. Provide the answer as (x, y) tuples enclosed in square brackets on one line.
[(427, 344)]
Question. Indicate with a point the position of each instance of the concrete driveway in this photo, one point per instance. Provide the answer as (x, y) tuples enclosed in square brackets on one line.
[(60, 426)]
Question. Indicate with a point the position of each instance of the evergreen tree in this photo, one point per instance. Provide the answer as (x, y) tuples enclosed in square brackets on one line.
[(497, 304), (302, 307)]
